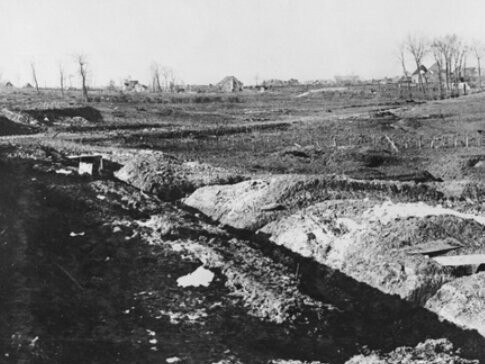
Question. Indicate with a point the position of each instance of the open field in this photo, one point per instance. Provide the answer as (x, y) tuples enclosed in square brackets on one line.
[(312, 213)]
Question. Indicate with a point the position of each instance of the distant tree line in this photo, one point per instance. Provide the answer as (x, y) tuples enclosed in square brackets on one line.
[(450, 54), (162, 78)]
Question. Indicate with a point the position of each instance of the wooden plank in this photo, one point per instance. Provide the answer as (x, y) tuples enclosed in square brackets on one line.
[(82, 156), (435, 246), (461, 260)]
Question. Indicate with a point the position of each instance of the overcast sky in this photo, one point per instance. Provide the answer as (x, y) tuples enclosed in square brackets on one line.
[(205, 40)]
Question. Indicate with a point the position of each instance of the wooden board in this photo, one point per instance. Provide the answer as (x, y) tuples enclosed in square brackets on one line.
[(461, 260), (82, 156), (435, 247)]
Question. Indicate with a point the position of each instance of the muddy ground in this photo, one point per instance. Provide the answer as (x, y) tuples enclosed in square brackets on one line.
[(107, 294), (89, 275), (90, 264)]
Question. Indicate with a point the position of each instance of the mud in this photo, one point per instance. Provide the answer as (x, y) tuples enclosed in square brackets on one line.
[(97, 296), (8, 127), (430, 351), (462, 302), (49, 116), (95, 280), (366, 240), (168, 178)]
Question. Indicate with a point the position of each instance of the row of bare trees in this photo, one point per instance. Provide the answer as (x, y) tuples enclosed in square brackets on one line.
[(83, 73), (449, 52), (162, 78)]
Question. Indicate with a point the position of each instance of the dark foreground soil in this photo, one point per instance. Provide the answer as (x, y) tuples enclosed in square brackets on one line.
[(98, 297), (80, 283)]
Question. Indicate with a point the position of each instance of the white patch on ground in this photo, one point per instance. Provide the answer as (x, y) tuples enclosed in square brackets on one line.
[(190, 317), (73, 234), (284, 361), (173, 359), (157, 222), (390, 211), (64, 171), (177, 247), (199, 277)]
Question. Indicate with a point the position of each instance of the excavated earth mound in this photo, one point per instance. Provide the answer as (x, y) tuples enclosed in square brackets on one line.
[(339, 234), (462, 302), (348, 226), (252, 204), (87, 113), (431, 351), (169, 178)]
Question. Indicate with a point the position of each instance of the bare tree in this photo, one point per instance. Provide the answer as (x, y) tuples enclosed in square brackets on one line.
[(61, 78), (478, 48), (111, 85), (446, 46), (256, 79), (450, 54), (459, 51), (401, 55), (168, 76), (34, 76), (402, 59), (418, 47), (81, 60), (155, 72), (438, 49)]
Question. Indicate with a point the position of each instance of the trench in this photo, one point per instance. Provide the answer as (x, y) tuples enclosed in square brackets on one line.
[(136, 139), (368, 317), (82, 322), (63, 301)]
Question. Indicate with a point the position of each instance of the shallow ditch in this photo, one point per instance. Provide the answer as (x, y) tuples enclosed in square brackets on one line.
[(84, 321), (368, 317)]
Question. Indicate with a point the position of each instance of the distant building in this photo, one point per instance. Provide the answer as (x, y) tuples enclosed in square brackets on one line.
[(432, 75), (420, 75), (134, 86), (347, 80), (230, 84), (8, 84), (28, 85), (275, 83), (321, 82)]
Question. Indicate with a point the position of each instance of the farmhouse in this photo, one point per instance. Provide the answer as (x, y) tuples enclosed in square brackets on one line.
[(134, 86), (230, 84), (432, 75), (420, 75), (8, 84)]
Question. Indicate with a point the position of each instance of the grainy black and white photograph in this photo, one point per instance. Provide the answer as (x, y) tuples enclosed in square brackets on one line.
[(242, 182)]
